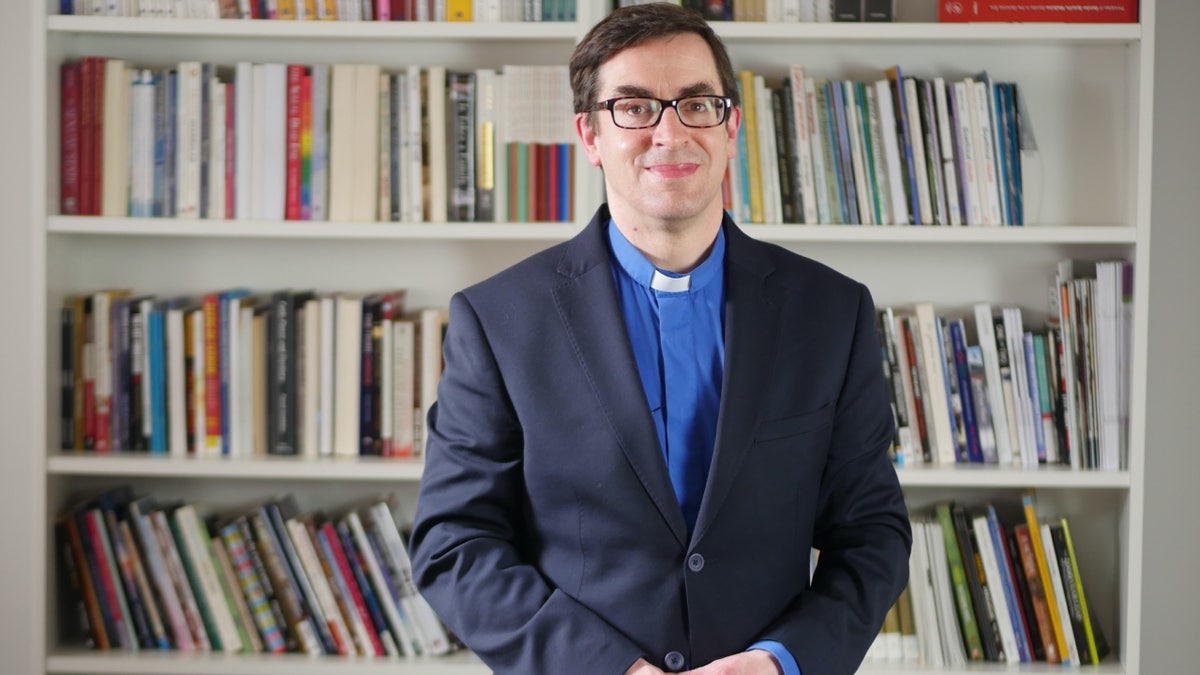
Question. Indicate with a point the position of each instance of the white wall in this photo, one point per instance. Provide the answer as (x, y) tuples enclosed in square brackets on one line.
[(18, 473), (1170, 589)]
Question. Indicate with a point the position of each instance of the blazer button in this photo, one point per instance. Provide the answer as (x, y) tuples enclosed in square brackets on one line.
[(674, 661), (695, 562)]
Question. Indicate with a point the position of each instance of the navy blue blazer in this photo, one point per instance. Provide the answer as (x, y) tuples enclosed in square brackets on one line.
[(547, 535)]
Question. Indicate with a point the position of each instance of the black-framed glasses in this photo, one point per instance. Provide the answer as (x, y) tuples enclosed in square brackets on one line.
[(643, 112)]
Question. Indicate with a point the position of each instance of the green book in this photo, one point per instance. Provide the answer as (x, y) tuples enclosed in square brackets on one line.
[(958, 581)]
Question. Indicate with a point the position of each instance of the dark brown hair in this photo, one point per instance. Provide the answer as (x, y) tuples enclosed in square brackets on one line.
[(631, 26)]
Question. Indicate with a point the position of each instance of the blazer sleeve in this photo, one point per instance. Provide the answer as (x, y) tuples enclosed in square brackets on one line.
[(862, 528), (470, 559)]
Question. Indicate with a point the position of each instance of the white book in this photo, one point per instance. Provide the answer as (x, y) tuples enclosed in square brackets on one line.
[(342, 119), (1060, 597), (436, 121), (156, 565), (1031, 164), (142, 354), (364, 203), (768, 163), (995, 588), (202, 447), (817, 143), (432, 321), (319, 158), (243, 378), (922, 591), (967, 162), (1107, 315), (807, 187), (881, 193), (414, 197), (258, 139), (985, 155), (935, 392), (274, 168), (325, 401), (114, 185), (141, 145), (348, 348), (986, 333), (891, 153), (235, 404), (434, 637), (209, 593), (1014, 334), (187, 140), (946, 145), (176, 384), (391, 612), (183, 588), (310, 386), (216, 150), (404, 333), (383, 146), (858, 154), (243, 119), (317, 580), (953, 652)]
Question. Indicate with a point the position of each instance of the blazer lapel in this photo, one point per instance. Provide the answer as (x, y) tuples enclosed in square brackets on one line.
[(751, 339), (590, 310)]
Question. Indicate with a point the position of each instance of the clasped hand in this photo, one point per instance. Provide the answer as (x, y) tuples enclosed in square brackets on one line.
[(753, 662)]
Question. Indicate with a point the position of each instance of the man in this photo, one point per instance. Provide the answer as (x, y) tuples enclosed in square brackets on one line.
[(641, 433)]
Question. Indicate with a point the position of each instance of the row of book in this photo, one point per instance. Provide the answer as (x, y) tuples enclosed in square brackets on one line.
[(989, 390), (315, 142), (1039, 11), (153, 575), (986, 588), (237, 373), (330, 10), (786, 11), (898, 150)]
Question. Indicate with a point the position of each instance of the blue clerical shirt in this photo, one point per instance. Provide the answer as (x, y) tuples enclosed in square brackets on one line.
[(676, 328)]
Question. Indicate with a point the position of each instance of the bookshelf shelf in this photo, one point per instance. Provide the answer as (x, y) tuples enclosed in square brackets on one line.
[(146, 663), (313, 30), (289, 468), (1031, 235), (978, 476), (932, 33)]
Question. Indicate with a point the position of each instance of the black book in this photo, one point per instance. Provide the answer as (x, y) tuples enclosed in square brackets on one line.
[(847, 10), (879, 10), (981, 600)]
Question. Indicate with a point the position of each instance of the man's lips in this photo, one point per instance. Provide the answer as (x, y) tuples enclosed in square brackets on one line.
[(678, 170)]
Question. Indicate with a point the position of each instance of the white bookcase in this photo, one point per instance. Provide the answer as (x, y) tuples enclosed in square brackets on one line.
[(1089, 89)]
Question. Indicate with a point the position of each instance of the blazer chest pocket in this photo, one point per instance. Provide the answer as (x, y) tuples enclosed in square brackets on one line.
[(796, 424)]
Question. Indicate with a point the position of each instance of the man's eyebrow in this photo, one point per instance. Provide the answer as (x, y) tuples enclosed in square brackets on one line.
[(689, 90)]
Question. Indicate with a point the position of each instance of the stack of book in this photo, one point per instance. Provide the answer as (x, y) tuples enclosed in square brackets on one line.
[(236, 373), (274, 141), (151, 575), (989, 390), (899, 150), (330, 10), (983, 589)]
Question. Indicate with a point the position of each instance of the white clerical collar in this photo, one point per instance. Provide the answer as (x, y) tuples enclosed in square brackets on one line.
[(669, 284)]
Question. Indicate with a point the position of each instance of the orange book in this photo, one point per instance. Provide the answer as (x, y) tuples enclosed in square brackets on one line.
[(1035, 536)]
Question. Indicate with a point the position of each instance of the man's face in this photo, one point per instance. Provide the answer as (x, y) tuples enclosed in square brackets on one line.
[(668, 174)]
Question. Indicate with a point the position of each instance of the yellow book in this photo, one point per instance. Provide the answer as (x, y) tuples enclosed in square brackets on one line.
[(749, 110), (1039, 553), (285, 10), (458, 10), (1088, 629)]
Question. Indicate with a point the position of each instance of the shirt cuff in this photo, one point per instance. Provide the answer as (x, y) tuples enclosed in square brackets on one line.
[(787, 664)]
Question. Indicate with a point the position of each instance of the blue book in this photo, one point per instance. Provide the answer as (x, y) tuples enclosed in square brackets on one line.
[(839, 188), (1034, 397), (900, 102), (999, 545), (950, 382), (845, 160), (225, 342), (155, 344), (962, 371)]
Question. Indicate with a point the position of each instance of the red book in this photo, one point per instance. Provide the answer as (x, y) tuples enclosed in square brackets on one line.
[(1039, 11), (342, 566), (87, 134), (97, 138), (553, 179), (306, 147), (230, 152), (295, 74), (71, 100)]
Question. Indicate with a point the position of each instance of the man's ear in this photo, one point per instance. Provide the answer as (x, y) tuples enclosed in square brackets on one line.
[(731, 129), (587, 135)]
